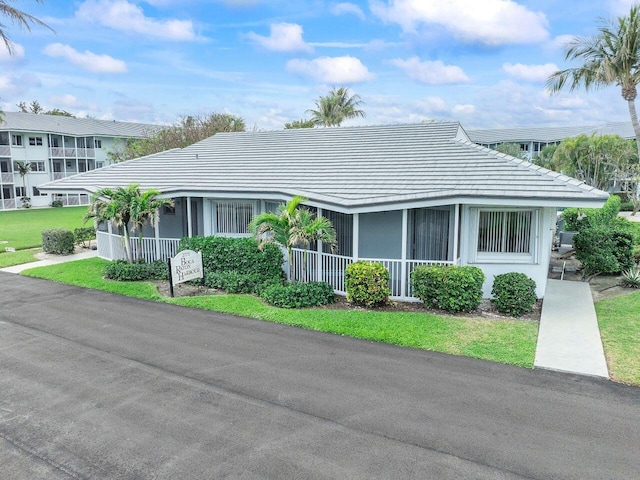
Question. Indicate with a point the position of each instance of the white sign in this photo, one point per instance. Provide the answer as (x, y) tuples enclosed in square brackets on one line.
[(186, 265)]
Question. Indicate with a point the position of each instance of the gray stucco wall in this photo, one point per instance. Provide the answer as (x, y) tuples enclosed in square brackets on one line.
[(386, 229)]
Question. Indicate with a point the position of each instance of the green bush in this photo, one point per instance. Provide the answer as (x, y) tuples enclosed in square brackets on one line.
[(224, 254), (575, 219), (83, 235), (603, 249), (133, 272), (626, 207), (514, 293), (450, 288), (237, 282), (298, 295), (56, 203), (58, 241), (367, 283)]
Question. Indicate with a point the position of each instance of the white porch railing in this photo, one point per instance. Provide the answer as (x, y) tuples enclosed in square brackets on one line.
[(111, 247), (307, 265)]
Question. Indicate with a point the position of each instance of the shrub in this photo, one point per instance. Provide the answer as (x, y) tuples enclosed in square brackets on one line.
[(367, 283), (514, 293), (58, 241), (237, 282), (56, 203), (132, 272), (579, 218), (298, 295), (82, 235), (631, 278), (604, 249), (224, 254), (450, 288)]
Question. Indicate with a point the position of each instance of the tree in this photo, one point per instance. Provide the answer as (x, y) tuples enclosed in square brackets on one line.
[(127, 208), (291, 226), (545, 157), (337, 106), (512, 149), (187, 131), (35, 107), (23, 169), (22, 19), (610, 57), (302, 123)]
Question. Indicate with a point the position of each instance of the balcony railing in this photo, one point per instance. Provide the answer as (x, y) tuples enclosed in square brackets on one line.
[(7, 178), (8, 203), (5, 151)]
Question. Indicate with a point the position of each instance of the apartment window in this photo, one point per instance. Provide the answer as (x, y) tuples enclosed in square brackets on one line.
[(97, 143), (429, 233), (37, 166), (35, 141), (506, 235), (99, 164), (16, 140), (20, 192), (4, 138), (233, 217)]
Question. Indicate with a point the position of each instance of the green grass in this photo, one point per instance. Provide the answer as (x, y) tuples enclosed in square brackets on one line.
[(512, 342), (619, 321), (23, 228), (9, 259)]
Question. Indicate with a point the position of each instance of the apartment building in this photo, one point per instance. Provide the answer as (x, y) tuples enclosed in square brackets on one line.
[(55, 147)]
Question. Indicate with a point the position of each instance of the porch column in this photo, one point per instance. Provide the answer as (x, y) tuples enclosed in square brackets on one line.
[(189, 222), (404, 292), (110, 232), (356, 236), (456, 228), (156, 234), (319, 256)]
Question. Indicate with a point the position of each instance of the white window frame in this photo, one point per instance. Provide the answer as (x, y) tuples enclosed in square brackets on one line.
[(38, 166), (223, 229), (35, 141), (97, 143), (505, 257), (17, 140)]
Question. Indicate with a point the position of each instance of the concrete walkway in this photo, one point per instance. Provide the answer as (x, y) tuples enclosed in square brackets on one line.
[(50, 261), (569, 337)]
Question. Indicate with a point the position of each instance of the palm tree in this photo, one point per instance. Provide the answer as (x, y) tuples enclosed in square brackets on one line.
[(291, 226), (127, 208), (337, 106), (610, 57), (22, 19), (23, 169)]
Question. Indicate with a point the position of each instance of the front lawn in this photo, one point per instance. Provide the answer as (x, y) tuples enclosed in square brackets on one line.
[(619, 321), (23, 228), (9, 259), (505, 341)]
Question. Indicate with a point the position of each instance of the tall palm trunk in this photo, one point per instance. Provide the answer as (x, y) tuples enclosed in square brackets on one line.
[(636, 129)]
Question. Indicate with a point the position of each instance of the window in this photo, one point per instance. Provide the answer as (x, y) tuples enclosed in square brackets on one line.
[(37, 167), (20, 191), (35, 141), (429, 233), (343, 225), (233, 217), (506, 235), (16, 140), (4, 138), (97, 143), (99, 164)]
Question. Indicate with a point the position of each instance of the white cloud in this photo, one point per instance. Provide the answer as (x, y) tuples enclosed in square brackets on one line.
[(12, 85), (127, 17), (491, 22), (530, 73), (561, 41), (6, 57), (432, 105), (347, 8), (463, 110), (621, 7), (431, 73), (337, 70), (86, 60), (284, 37)]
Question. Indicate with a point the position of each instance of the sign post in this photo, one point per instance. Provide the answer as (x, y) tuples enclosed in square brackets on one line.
[(185, 266)]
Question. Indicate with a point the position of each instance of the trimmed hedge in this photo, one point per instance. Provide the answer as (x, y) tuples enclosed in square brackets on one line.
[(450, 288), (514, 293), (298, 295), (237, 282), (58, 241), (133, 272), (602, 249), (367, 283), (83, 235), (225, 254)]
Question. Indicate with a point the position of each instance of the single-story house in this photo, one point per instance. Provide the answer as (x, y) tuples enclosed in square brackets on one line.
[(403, 195)]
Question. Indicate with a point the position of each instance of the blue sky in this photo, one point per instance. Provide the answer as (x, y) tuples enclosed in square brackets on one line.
[(482, 62)]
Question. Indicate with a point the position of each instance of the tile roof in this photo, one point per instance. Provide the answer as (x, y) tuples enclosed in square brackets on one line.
[(351, 167), (548, 134), (30, 122)]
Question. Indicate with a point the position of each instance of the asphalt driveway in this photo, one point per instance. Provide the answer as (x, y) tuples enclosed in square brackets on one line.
[(94, 385)]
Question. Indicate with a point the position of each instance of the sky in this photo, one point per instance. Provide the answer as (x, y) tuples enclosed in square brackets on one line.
[(481, 62)]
